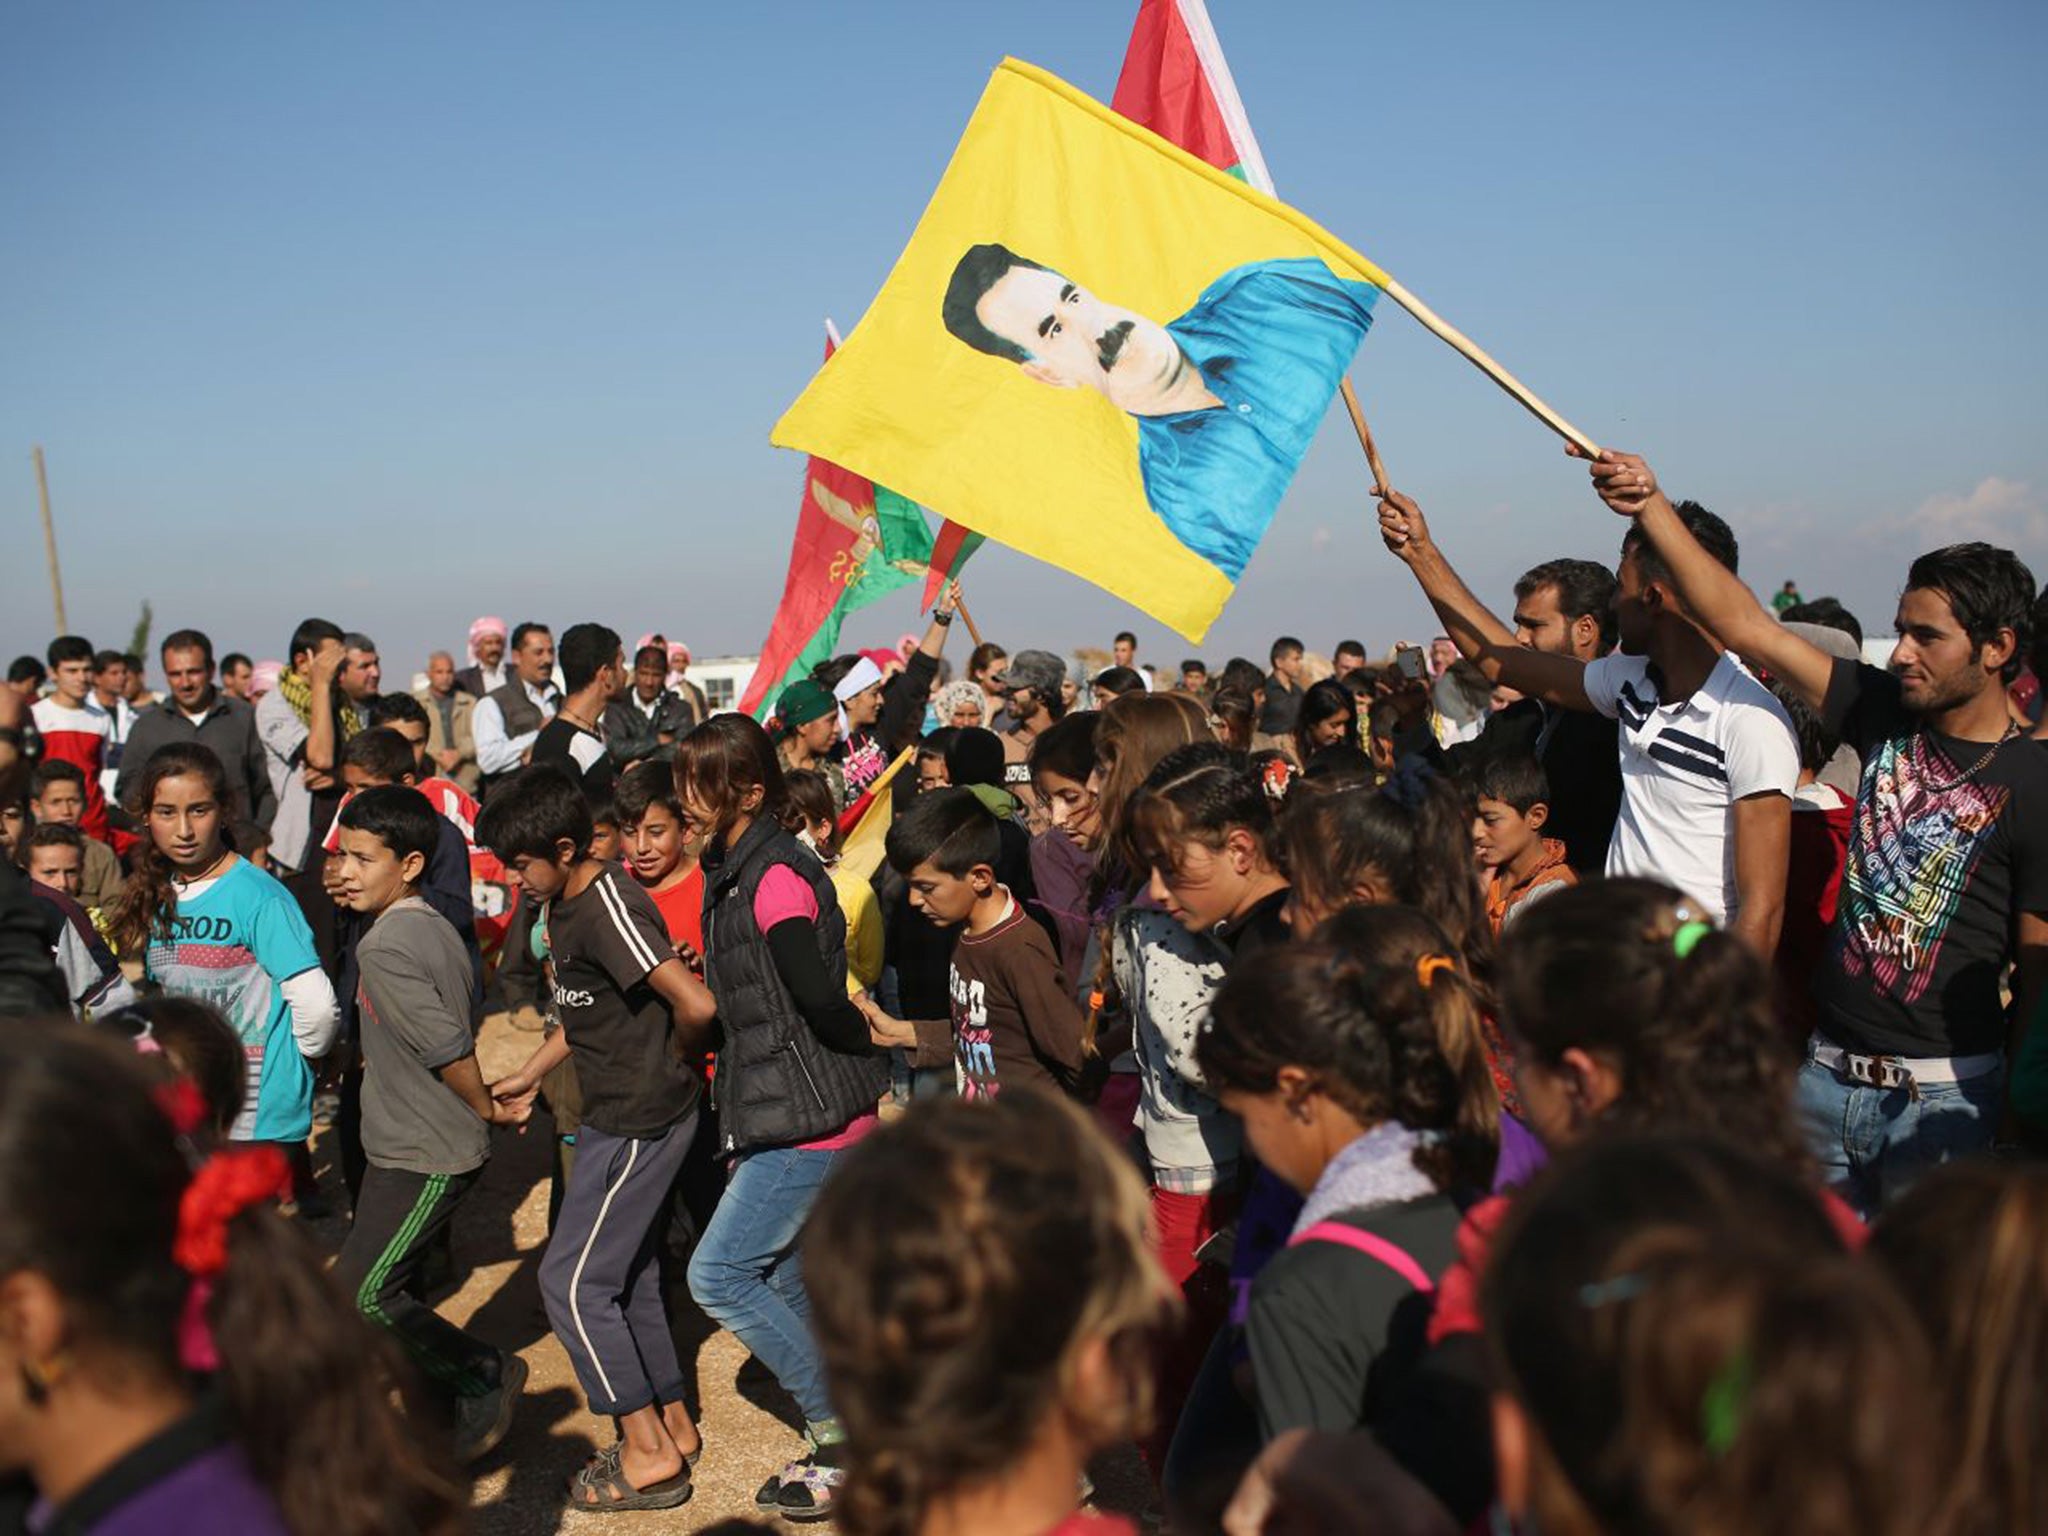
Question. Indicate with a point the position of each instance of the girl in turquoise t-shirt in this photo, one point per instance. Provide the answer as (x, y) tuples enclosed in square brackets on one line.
[(211, 925)]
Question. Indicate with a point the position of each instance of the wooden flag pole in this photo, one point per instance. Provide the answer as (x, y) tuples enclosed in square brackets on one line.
[(50, 541), (1372, 454), (974, 633), (1470, 350)]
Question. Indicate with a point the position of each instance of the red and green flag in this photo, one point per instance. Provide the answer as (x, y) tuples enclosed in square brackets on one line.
[(951, 549), (855, 541), (1176, 82)]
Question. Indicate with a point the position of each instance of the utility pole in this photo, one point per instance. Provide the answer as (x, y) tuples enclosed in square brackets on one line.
[(50, 542)]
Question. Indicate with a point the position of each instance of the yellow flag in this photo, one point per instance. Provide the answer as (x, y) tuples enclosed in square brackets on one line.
[(862, 845), (1096, 349)]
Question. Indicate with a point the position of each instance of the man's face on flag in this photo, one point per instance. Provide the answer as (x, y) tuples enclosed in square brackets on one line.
[(1075, 340)]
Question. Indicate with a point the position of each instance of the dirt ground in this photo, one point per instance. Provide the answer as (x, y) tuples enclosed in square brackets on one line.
[(750, 1426)]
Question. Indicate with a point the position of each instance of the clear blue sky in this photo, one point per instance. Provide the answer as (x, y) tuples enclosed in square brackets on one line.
[(401, 313)]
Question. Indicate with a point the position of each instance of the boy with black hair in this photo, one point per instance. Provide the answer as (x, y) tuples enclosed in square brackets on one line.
[(75, 729), (26, 676), (57, 796), (54, 855), (379, 758), (425, 1111), (593, 663), (1520, 864), (48, 855), (110, 692), (660, 852), (632, 1016), (1284, 688), (1013, 1021)]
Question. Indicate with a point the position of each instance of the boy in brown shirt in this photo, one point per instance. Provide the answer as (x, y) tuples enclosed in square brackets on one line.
[(1014, 1020)]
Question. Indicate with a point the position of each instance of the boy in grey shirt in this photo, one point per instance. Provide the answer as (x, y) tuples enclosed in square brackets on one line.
[(426, 1116)]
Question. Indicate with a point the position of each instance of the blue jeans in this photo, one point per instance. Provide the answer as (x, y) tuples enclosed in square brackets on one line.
[(748, 1276), (1872, 1143)]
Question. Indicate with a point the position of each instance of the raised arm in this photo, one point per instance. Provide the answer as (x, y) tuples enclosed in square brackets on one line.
[(321, 745), (1712, 593), (1479, 636)]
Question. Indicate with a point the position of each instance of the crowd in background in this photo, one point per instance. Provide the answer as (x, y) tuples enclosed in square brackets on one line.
[(1585, 1073)]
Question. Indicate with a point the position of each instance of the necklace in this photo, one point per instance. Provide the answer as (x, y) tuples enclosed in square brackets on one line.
[(205, 874), (1975, 768)]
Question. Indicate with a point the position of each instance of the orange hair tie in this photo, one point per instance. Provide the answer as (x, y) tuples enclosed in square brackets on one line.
[(1427, 967)]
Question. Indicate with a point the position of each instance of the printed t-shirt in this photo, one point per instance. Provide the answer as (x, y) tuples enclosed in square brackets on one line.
[(233, 945), (784, 894), (1684, 764), (604, 944), (414, 986), (1014, 1021), (1942, 860)]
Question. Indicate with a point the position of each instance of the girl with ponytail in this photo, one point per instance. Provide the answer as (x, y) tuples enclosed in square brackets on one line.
[(1628, 1012), (174, 1359), (1349, 1095), (996, 1330), (211, 925)]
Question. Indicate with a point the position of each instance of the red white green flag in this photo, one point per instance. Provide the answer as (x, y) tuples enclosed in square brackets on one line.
[(1176, 82), (951, 549), (855, 541)]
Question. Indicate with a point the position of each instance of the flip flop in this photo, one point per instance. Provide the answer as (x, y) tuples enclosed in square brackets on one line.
[(600, 1488)]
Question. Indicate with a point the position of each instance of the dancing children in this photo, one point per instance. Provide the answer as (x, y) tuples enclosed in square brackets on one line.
[(425, 1112), (632, 1017), (1013, 1020)]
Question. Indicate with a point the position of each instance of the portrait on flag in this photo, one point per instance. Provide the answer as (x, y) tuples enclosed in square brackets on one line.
[(1226, 397), (1096, 349)]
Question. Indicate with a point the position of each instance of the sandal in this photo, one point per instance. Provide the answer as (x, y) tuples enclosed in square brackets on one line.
[(810, 1488), (769, 1495), (600, 1487)]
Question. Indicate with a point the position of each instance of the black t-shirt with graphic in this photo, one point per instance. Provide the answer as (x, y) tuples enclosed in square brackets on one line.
[(1948, 848), (603, 944)]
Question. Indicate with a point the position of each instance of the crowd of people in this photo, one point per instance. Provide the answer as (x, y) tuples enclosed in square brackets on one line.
[(1585, 1074)]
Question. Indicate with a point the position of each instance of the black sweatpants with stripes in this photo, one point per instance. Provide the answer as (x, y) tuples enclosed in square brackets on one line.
[(400, 1216)]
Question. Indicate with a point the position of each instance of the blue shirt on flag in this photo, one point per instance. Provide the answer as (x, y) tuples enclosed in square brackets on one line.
[(1272, 339)]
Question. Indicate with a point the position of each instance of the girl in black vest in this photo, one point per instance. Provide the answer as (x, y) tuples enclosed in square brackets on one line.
[(797, 1080)]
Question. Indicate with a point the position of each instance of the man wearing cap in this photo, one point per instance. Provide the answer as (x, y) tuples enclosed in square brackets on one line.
[(1035, 704), (487, 671)]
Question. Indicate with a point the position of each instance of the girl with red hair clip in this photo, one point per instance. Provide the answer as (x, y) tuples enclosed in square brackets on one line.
[(161, 1325)]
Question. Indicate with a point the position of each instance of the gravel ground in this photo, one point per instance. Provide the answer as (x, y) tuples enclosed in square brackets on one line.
[(750, 1426)]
